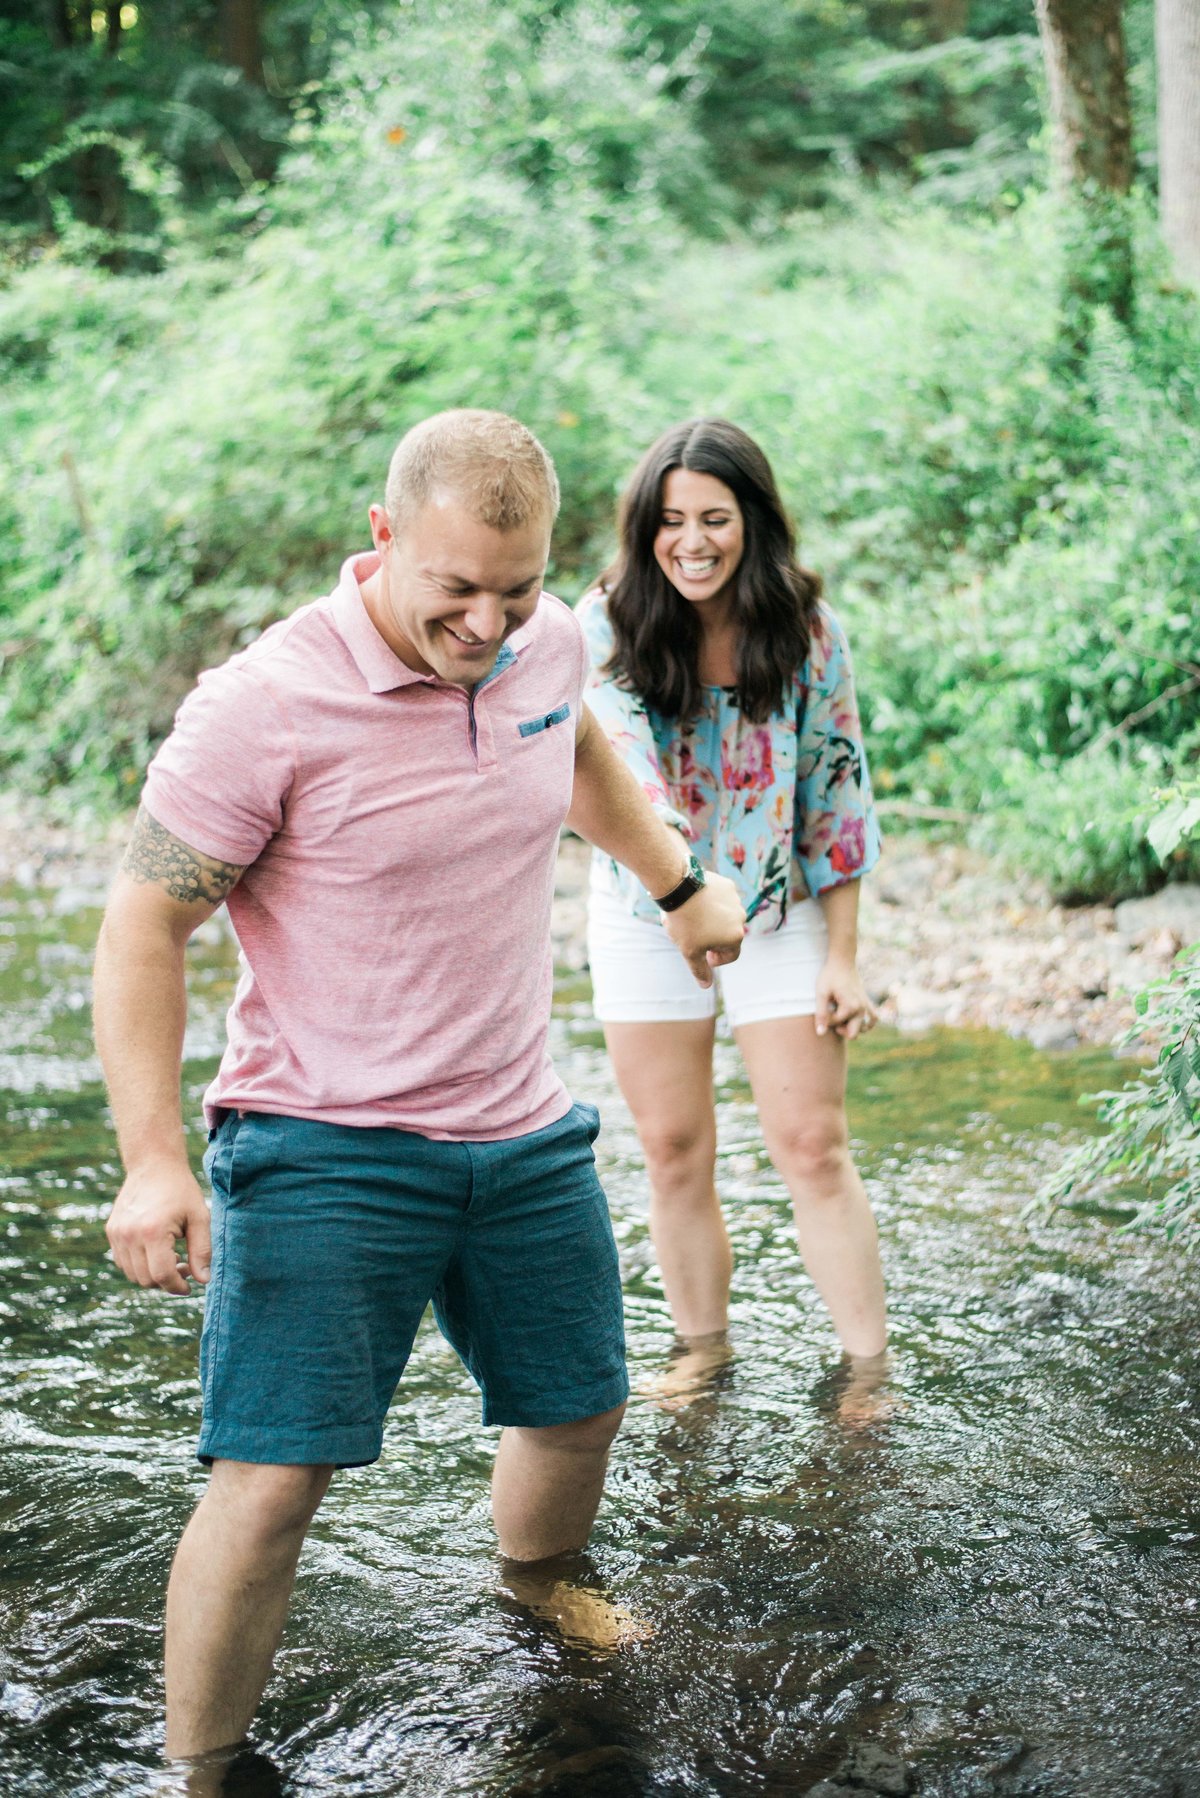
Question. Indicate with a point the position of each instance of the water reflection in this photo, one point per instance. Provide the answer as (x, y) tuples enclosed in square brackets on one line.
[(991, 1588)]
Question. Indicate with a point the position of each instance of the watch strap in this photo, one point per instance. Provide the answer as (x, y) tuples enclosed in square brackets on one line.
[(691, 883)]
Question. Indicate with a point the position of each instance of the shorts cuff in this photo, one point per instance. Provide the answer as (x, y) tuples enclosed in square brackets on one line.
[(768, 1009), (657, 1011), (355, 1445), (573, 1407)]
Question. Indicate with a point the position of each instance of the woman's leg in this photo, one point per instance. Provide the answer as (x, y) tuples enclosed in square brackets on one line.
[(665, 1072), (799, 1084)]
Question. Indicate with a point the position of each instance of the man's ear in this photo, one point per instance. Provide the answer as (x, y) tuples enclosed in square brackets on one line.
[(382, 534)]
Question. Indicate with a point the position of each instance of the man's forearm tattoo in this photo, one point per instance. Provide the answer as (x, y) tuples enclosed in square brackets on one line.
[(157, 858)]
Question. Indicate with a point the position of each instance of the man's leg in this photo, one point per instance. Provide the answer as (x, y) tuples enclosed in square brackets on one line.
[(547, 1483), (228, 1597)]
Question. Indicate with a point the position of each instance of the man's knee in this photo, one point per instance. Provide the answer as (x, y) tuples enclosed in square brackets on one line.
[(265, 1499), (586, 1436)]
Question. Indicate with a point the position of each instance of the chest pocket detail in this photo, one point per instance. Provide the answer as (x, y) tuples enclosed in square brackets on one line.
[(532, 726)]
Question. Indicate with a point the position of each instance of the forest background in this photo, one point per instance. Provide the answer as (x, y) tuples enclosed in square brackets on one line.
[(246, 243), (940, 256)]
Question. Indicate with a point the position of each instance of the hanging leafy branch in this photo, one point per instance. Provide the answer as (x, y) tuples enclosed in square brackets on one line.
[(1153, 1138)]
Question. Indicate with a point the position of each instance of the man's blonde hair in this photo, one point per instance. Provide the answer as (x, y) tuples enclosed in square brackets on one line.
[(489, 461)]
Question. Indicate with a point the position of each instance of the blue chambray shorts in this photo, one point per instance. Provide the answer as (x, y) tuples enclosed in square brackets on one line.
[(330, 1240)]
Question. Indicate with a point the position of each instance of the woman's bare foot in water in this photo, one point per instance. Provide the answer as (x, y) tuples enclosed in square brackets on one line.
[(692, 1368), (864, 1393)]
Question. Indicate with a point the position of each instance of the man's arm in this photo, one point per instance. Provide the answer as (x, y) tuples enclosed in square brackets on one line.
[(609, 808), (163, 891)]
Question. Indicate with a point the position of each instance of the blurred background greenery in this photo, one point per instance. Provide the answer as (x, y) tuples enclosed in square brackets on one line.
[(246, 243)]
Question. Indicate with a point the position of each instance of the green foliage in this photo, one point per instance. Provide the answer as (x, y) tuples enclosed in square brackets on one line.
[(204, 438), (101, 139), (1077, 825), (1176, 819), (791, 98), (514, 205), (1153, 1137)]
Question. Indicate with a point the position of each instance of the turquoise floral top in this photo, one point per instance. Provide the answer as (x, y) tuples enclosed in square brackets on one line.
[(783, 808)]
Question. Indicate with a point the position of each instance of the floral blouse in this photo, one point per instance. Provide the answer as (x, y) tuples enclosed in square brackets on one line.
[(783, 808)]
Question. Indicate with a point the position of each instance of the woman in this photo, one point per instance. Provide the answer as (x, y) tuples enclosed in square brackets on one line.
[(725, 683)]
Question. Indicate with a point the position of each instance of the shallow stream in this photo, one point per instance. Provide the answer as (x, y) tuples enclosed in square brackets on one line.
[(994, 1591)]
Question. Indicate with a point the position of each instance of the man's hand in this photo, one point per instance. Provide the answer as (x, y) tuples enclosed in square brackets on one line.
[(163, 891), (156, 1206), (708, 928), (842, 1002)]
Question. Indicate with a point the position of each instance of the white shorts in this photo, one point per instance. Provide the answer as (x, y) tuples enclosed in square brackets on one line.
[(639, 976)]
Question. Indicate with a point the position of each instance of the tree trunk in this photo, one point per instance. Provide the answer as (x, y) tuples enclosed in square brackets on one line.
[(1177, 43), (1084, 47), (112, 29), (60, 24), (241, 39)]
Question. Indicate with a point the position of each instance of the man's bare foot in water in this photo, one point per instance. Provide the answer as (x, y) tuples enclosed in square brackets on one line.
[(693, 1366), (221, 1773), (582, 1615)]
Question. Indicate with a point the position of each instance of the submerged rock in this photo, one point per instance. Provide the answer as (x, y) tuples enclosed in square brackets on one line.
[(872, 1769)]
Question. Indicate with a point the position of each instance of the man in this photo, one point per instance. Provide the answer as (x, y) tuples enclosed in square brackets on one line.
[(376, 787)]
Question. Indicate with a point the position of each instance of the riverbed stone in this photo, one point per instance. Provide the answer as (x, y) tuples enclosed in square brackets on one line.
[(1053, 1033), (1175, 909), (610, 1771), (870, 1768)]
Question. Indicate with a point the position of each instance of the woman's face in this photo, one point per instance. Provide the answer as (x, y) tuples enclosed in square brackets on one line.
[(700, 535)]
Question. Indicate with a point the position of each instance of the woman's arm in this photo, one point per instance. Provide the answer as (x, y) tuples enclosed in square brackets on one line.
[(837, 833), (842, 1002), (621, 714)]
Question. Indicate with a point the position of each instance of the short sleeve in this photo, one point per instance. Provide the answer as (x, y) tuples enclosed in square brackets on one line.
[(837, 833), (221, 780)]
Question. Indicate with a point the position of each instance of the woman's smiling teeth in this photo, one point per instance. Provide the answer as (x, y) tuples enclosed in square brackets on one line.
[(695, 571)]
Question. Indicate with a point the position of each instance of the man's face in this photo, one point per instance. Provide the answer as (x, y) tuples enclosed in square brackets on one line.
[(450, 589)]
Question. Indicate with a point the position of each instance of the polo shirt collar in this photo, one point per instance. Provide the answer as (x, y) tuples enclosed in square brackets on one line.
[(379, 665)]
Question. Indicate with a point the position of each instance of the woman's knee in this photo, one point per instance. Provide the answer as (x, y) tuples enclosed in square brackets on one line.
[(679, 1155), (813, 1148)]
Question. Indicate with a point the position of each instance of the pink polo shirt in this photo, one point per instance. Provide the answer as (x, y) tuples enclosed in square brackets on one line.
[(398, 836)]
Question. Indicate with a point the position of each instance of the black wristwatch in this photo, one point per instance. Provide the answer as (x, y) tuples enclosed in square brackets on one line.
[(691, 883)]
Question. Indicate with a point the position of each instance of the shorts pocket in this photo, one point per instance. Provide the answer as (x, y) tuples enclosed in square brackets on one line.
[(589, 1117), (231, 1158)]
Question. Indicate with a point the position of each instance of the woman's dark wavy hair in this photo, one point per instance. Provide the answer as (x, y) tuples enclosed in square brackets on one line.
[(656, 630)]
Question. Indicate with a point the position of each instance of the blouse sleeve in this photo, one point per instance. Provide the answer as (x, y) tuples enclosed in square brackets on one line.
[(836, 832), (621, 714)]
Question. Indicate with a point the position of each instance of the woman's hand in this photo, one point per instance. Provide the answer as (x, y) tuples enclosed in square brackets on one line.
[(842, 1002)]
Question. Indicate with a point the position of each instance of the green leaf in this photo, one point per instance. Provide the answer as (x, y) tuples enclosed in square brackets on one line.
[(1177, 821)]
